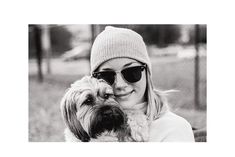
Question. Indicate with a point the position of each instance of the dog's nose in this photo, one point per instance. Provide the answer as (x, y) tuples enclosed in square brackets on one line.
[(111, 112), (108, 118), (108, 112)]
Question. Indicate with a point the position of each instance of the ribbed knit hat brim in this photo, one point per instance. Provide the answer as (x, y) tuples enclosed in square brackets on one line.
[(118, 42)]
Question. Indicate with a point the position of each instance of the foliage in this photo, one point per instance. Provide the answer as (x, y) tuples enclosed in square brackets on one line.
[(161, 35), (202, 35), (60, 39)]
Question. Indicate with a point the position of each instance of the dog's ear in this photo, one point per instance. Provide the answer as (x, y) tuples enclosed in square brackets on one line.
[(69, 111)]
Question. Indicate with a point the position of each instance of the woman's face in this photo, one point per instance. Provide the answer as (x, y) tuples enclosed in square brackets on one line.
[(127, 94)]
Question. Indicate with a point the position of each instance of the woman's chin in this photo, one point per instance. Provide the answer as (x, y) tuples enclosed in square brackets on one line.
[(127, 105)]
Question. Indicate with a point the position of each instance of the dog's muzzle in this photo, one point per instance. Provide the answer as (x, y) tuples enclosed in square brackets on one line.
[(106, 118)]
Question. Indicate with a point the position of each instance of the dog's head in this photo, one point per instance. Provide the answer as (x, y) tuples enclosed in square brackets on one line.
[(89, 109)]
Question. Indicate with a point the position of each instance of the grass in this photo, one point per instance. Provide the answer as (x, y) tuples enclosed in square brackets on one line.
[(179, 75), (45, 122)]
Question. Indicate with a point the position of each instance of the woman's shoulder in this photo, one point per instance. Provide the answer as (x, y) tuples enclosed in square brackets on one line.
[(171, 127), (170, 118)]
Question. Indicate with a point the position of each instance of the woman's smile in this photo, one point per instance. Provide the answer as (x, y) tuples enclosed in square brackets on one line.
[(124, 96)]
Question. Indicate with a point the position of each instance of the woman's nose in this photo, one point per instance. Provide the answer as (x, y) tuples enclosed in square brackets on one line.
[(120, 82)]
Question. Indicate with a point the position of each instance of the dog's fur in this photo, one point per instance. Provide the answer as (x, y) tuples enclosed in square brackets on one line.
[(91, 113)]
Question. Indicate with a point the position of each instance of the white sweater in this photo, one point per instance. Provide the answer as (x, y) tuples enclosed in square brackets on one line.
[(171, 128)]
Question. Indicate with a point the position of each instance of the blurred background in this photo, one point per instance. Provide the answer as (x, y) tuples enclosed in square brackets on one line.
[(59, 55)]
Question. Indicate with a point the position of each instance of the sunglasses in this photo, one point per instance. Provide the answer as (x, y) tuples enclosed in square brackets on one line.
[(130, 74)]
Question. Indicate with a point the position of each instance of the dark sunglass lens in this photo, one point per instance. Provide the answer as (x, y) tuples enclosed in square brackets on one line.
[(132, 74), (108, 76)]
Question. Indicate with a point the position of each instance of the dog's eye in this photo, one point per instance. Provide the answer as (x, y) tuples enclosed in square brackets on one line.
[(106, 96), (88, 101)]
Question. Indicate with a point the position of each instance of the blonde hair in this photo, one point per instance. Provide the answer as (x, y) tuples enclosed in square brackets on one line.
[(156, 100)]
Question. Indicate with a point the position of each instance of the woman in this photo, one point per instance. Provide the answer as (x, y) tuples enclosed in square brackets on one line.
[(119, 56)]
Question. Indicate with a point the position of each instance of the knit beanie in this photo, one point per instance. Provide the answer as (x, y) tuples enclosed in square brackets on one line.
[(116, 42)]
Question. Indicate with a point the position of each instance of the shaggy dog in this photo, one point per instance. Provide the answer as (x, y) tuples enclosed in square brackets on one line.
[(91, 113)]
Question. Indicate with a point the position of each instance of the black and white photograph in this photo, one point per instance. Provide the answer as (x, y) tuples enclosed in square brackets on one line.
[(117, 78), (117, 83)]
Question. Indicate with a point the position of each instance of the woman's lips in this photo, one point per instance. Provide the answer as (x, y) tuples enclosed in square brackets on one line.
[(124, 95)]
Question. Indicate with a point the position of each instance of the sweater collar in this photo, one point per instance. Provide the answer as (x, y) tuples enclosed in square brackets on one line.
[(140, 107)]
